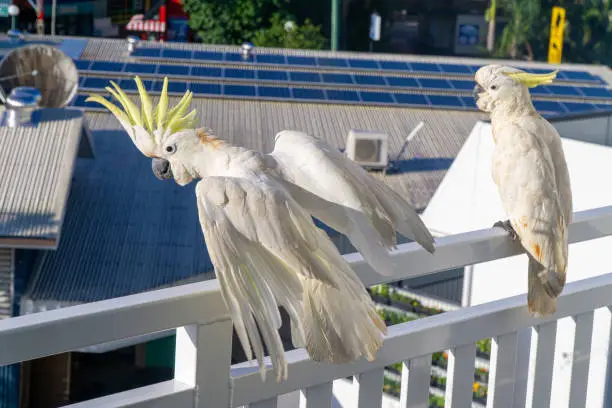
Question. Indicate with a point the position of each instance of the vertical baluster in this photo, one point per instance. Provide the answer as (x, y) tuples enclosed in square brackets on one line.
[(523, 355), (581, 359), (416, 377), (203, 359), (368, 388), (502, 371), (268, 403), (460, 378), (541, 361), (317, 396), (605, 396)]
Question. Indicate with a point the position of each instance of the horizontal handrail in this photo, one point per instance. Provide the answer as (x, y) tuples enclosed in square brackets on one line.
[(455, 251), (84, 325)]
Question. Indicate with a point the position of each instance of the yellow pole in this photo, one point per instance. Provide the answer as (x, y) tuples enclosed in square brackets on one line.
[(557, 26)]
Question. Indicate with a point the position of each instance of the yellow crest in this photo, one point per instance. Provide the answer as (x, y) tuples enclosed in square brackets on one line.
[(532, 80), (158, 120)]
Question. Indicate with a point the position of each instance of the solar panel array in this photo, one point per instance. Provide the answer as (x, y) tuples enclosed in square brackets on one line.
[(337, 63), (419, 100), (327, 79), (322, 78)]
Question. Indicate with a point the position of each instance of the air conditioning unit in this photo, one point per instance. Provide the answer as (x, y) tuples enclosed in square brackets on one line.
[(368, 149)]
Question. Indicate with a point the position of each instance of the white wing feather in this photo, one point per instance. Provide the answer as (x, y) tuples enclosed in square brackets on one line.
[(372, 210), (267, 252)]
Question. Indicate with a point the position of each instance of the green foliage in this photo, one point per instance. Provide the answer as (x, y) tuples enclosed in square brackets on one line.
[(484, 346), (588, 30), (394, 318), (518, 34), (305, 36), (413, 305), (229, 21)]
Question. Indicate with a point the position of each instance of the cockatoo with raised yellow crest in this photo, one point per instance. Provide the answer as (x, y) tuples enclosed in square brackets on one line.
[(256, 214), (531, 174)]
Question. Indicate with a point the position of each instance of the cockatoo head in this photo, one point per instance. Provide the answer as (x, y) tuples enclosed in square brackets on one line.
[(161, 134), (498, 85)]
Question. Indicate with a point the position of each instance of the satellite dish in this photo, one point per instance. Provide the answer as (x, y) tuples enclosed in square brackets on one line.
[(43, 67)]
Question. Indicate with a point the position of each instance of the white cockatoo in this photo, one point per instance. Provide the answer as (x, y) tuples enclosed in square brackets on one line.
[(256, 214), (531, 174)]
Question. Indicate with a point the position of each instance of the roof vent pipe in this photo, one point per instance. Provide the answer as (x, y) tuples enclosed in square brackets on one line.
[(20, 104), (132, 41)]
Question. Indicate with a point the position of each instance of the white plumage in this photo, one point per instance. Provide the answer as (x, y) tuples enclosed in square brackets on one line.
[(256, 214), (530, 171)]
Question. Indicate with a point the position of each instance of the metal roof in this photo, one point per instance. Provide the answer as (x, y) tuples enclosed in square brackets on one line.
[(127, 232), (36, 164)]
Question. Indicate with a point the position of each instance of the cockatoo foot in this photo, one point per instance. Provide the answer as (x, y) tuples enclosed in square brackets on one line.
[(507, 226)]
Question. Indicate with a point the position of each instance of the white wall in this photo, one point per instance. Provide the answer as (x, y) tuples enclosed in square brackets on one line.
[(593, 130), (467, 199)]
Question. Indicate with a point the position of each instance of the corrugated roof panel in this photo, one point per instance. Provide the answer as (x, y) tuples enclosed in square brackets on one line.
[(36, 165)]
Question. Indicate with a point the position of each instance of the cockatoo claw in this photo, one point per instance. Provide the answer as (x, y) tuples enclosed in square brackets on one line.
[(507, 226)]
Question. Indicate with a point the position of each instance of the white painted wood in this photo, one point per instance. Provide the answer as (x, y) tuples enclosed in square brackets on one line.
[(502, 370), (460, 376), (129, 316), (522, 367), (416, 376), (368, 388), (204, 367), (454, 251), (581, 358), (318, 396), (423, 336), (268, 403), (171, 393), (539, 383), (83, 325), (607, 392)]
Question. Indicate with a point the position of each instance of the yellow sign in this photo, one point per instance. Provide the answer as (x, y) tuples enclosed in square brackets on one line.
[(557, 24)]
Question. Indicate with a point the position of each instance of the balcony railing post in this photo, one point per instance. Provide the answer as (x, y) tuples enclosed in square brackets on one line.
[(523, 356), (203, 360)]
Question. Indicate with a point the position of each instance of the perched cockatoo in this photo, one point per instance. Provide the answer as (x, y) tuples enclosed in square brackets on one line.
[(531, 174), (256, 213)]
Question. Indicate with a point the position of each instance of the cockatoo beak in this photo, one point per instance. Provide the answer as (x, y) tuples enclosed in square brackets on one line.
[(477, 91), (161, 169)]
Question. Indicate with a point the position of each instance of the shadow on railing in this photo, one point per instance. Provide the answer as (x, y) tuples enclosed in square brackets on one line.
[(204, 377)]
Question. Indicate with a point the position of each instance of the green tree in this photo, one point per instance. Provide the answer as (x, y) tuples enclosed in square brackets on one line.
[(588, 30), (521, 30), (229, 21), (305, 36)]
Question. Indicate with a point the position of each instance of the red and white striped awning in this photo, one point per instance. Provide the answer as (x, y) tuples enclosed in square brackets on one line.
[(150, 26)]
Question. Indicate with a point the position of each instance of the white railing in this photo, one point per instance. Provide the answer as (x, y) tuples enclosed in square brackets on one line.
[(204, 377)]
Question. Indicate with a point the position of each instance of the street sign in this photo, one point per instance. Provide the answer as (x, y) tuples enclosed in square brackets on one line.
[(375, 22), (557, 25)]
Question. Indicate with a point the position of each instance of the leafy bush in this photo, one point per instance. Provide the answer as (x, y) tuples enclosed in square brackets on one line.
[(305, 36)]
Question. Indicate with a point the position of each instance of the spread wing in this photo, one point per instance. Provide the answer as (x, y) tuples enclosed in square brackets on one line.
[(366, 210), (267, 252), (525, 175)]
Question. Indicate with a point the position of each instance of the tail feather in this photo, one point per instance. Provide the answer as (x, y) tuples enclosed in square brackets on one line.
[(339, 327), (544, 287)]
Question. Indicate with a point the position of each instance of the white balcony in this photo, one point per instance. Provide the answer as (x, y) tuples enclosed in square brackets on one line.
[(204, 377)]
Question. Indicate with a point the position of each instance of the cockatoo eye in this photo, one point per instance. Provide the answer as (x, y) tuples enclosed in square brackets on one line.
[(170, 149), (493, 87)]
